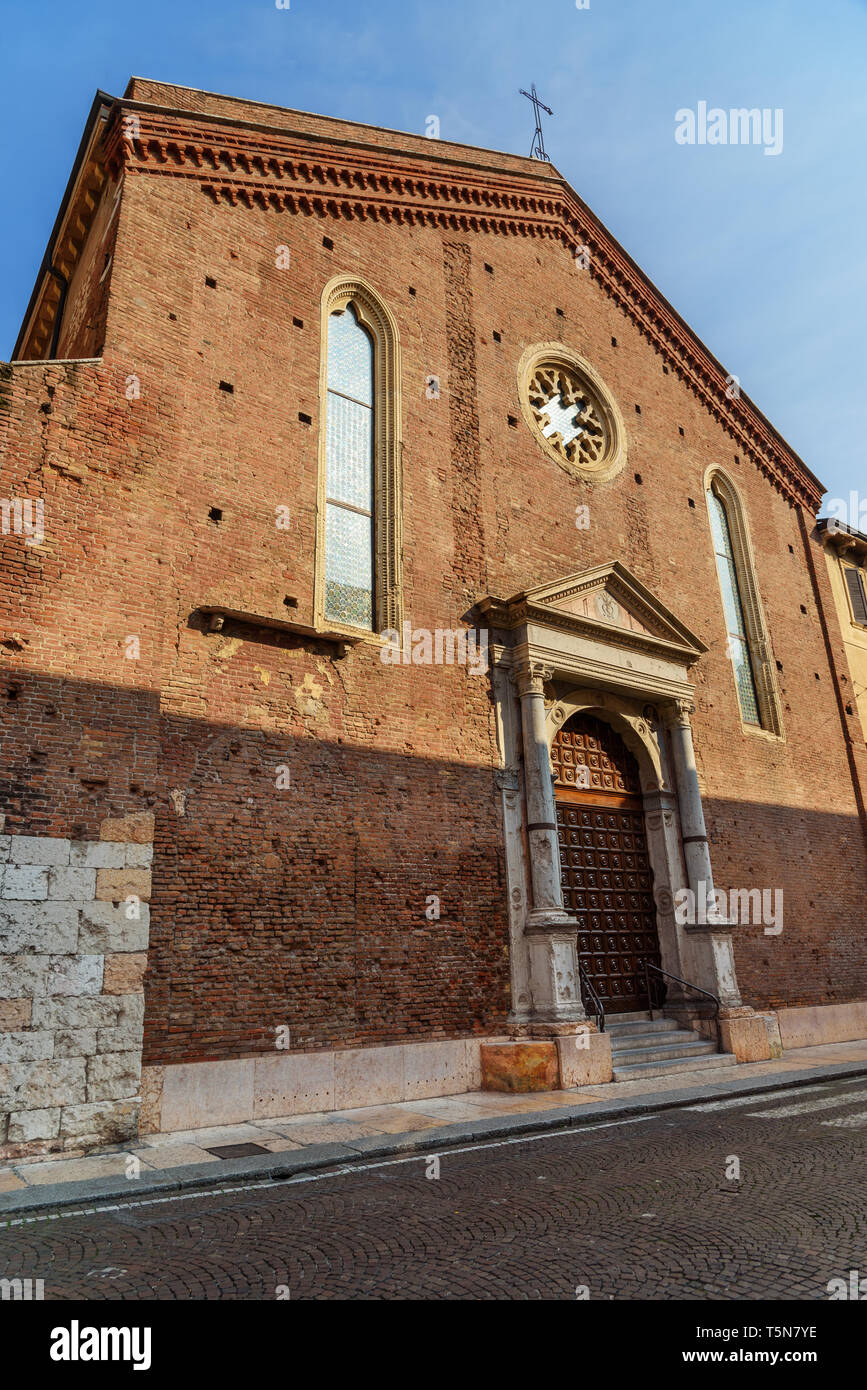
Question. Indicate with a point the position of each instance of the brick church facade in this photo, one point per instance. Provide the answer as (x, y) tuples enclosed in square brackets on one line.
[(402, 615)]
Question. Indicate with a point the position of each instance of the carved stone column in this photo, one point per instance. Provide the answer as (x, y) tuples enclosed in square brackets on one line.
[(550, 930), (708, 954)]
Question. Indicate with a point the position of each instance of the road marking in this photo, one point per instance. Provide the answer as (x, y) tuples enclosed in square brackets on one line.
[(338, 1171), (849, 1121), (773, 1095), (787, 1112)]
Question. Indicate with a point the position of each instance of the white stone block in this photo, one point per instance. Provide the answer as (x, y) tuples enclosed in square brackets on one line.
[(125, 1038), (106, 1122), (5, 842), (107, 928), (139, 856), (76, 885), (434, 1069), (44, 927), (75, 1042), (293, 1083), (42, 1085), (130, 1010), (197, 1094), (74, 975), (26, 883), (368, 1076), (24, 976), (97, 854), (38, 849), (26, 1047), (26, 1126), (116, 1077), (76, 1013)]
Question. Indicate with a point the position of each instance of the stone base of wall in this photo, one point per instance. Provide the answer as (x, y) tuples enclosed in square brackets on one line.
[(194, 1095), (823, 1023), (73, 951)]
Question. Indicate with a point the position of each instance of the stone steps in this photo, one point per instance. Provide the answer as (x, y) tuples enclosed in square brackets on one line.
[(645, 1047)]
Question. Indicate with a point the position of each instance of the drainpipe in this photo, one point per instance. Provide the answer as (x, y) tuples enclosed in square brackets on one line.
[(58, 317)]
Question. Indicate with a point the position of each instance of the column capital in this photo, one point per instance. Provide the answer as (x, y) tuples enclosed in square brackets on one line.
[(676, 714), (530, 677)]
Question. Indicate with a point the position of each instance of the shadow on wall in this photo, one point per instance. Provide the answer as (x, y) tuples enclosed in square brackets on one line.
[(355, 895)]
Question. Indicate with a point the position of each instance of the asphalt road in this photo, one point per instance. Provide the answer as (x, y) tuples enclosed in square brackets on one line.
[(638, 1209)]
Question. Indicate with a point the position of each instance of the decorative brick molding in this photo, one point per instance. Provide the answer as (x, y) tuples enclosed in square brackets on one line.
[(74, 927), (330, 175)]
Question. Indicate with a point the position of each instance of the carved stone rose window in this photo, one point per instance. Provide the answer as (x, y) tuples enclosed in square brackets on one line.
[(570, 412)]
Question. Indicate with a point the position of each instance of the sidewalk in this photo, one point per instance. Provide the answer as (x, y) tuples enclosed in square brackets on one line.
[(283, 1147)]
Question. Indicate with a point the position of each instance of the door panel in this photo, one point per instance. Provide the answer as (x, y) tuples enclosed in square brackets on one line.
[(605, 868)]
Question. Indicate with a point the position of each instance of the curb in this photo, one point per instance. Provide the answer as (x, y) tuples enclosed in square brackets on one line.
[(343, 1156)]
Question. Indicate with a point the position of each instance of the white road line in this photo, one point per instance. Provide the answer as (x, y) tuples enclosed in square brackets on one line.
[(336, 1172), (772, 1096), (849, 1121), (787, 1112)]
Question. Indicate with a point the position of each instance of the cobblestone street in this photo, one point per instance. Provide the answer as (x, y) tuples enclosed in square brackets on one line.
[(636, 1209)]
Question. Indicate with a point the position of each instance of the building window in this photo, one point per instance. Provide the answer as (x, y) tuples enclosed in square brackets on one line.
[(857, 590), (747, 644), (349, 438), (358, 540), (570, 411)]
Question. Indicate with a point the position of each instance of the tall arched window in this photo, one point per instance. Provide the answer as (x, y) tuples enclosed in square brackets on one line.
[(358, 540), (747, 646), (349, 425)]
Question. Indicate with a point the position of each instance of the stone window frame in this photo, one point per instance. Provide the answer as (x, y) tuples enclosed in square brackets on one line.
[(716, 479), (561, 354), (375, 316)]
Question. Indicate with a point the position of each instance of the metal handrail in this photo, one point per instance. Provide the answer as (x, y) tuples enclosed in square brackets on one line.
[(594, 998), (687, 985)]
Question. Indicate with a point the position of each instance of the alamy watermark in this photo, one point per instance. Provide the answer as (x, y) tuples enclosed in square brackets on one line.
[(440, 647), (23, 516), (738, 126), (740, 907)]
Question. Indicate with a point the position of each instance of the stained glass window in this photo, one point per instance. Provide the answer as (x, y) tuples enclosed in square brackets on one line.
[(349, 472), (738, 642)]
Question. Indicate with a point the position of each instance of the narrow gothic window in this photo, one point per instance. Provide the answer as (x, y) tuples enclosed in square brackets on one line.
[(349, 483), (747, 645), (358, 544)]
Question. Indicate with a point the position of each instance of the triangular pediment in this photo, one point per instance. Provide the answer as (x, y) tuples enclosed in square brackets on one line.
[(609, 601)]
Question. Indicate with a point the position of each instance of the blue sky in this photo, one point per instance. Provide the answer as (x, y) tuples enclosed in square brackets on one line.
[(762, 255)]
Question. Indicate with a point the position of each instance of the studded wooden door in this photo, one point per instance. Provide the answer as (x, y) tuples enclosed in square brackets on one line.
[(604, 864)]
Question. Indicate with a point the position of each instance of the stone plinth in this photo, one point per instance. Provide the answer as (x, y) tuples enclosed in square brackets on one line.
[(520, 1066)]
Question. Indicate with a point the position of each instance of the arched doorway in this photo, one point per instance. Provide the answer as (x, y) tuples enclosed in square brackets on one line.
[(604, 863)]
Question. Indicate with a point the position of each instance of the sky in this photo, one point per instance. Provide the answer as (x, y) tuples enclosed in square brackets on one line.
[(762, 254)]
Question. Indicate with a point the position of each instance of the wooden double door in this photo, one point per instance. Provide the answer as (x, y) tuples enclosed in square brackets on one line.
[(605, 868)]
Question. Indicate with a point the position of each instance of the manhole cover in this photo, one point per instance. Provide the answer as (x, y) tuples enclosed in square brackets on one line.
[(238, 1150)]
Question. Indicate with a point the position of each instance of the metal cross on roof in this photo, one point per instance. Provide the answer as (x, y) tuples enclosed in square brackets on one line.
[(538, 148)]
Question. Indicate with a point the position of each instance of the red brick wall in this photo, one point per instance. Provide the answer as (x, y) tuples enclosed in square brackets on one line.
[(305, 907)]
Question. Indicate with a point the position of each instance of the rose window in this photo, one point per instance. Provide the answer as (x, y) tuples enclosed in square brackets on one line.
[(568, 415), (571, 412)]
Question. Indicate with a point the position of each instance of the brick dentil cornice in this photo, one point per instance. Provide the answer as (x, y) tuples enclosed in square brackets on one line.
[(240, 162)]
